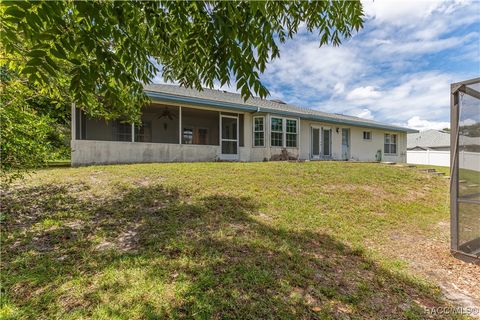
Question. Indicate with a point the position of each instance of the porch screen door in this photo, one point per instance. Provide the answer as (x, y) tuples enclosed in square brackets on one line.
[(229, 134)]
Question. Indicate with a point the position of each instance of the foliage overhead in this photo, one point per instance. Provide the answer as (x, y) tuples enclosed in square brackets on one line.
[(100, 53)]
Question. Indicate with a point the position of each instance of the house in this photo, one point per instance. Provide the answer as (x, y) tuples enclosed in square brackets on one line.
[(429, 140), (188, 125)]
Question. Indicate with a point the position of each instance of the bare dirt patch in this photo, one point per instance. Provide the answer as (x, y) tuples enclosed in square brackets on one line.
[(431, 257)]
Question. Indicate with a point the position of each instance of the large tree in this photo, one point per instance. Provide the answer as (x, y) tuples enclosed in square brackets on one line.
[(100, 53)]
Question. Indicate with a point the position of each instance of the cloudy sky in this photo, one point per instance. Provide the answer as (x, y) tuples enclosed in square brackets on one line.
[(397, 69)]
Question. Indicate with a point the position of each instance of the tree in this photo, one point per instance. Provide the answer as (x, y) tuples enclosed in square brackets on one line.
[(100, 53), (28, 132)]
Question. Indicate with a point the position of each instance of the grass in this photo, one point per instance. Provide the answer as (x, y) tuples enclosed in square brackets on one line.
[(445, 170), (216, 240)]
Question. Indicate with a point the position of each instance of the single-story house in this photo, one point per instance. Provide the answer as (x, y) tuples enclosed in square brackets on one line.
[(184, 124), (429, 140)]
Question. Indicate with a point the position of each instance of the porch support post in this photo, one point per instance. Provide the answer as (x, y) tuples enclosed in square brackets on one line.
[(133, 132), (73, 122), (220, 130), (180, 125)]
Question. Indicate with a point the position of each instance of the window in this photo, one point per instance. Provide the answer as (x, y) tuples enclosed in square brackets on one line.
[(259, 131), (390, 146), (122, 131), (277, 132), (291, 133), (367, 135), (143, 133), (284, 130)]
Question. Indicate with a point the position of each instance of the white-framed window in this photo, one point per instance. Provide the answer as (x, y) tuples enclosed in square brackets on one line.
[(291, 133), (259, 131), (390, 143), (276, 132), (284, 132), (367, 135)]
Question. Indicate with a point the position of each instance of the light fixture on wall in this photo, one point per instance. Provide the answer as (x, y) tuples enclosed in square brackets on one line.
[(337, 129)]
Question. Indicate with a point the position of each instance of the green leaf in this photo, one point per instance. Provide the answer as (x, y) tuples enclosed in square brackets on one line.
[(36, 53), (15, 11)]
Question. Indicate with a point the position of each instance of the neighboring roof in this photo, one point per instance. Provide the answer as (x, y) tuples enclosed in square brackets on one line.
[(436, 139), (428, 139), (209, 97)]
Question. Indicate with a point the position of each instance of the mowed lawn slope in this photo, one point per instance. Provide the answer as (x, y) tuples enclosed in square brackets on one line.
[(217, 240)]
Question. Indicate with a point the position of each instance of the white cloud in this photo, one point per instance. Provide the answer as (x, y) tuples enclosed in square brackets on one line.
[(408, 13), (339, 88), (362, 113), (304, 69), (422, 124), (361, 93)]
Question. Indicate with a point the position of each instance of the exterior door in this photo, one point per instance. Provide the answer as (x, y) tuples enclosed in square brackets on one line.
[(229, 137), (315, 143), (326, 143), (345, 144)]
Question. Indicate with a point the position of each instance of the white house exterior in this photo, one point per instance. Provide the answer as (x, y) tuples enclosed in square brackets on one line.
[(189, 125)]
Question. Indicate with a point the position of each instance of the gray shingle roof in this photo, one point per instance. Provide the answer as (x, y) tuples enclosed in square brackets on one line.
[(428, 139), (264, 105)]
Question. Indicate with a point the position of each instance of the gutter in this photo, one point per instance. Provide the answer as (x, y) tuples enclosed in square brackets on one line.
[(159, 96)]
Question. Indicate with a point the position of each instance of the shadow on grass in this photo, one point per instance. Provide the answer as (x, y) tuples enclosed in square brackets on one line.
[(152, 252)]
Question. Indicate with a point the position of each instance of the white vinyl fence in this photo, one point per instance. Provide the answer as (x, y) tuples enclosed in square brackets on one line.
[(467, 160), (429, 157)]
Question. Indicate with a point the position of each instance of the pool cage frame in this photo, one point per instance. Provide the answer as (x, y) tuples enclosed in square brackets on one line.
[(457, 249)]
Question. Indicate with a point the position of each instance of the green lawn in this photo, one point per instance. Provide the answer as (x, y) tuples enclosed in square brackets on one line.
[(216, 240)]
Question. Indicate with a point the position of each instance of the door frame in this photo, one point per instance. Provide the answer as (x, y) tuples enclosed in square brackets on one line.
[(230, 157)]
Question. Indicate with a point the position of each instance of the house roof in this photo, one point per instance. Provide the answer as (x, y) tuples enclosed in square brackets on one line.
[(436, 139), (428, 139), (234, 101)]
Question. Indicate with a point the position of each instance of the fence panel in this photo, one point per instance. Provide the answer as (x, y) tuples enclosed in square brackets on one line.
[(429, 157)]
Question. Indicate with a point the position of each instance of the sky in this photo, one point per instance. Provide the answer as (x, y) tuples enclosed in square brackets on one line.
[(397, 69)]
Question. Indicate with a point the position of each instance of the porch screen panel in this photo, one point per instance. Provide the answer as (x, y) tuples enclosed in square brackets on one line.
[(102, 130), (160, 124), (469, 173), (88, 128), (200, 127)]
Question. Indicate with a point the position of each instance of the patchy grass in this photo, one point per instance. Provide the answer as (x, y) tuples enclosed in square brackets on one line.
[(216, 240)]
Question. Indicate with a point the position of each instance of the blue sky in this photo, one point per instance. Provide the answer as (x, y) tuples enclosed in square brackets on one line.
[(397, 69)]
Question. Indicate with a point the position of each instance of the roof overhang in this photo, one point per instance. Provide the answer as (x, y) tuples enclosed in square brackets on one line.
[(166, 97)]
